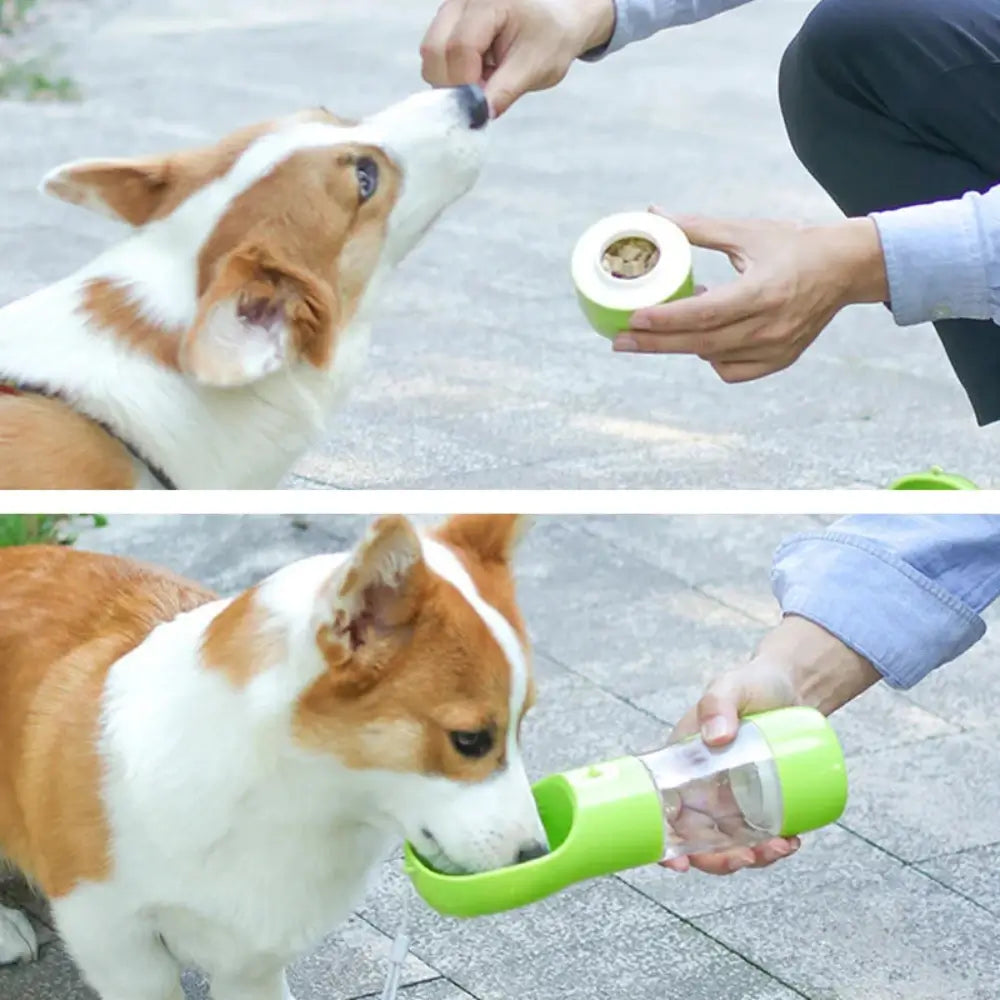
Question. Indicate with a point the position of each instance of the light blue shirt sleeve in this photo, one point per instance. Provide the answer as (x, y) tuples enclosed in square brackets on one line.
[(638, 19), (904, 592), (943, 259)]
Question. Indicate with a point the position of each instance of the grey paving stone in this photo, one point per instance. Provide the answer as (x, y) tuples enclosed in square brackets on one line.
[(653, 633), (597, 940), (14, 892), (964, 692), (222, 551), (561, 562), (832, 856), (901, 937), (927, 799), (437, 989), (349, 963), (728, 558), (52, 977), (574, 722), (975, 874)]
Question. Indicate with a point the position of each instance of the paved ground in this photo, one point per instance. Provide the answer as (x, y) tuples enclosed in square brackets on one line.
[(483, 373), (630, 616)]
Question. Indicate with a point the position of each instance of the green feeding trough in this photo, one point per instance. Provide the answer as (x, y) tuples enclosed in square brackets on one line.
[(933, 479)]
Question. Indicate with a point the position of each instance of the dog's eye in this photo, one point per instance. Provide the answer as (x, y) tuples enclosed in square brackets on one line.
[(477, 744), (366, 170)]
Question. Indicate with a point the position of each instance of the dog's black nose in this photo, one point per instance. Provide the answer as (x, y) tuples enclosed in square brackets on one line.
[(531, 851), (475, 105)]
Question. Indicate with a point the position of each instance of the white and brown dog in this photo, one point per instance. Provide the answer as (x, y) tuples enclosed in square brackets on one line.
[(207, 350), (205, 782)]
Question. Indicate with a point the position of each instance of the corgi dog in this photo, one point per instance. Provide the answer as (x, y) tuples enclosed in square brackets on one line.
[(206, 782), (207, 350)]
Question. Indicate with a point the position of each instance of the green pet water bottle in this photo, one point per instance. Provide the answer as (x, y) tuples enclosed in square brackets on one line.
[(783, 775)]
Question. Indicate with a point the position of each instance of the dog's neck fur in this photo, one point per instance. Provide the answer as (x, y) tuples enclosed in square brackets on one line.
[(202, 437)]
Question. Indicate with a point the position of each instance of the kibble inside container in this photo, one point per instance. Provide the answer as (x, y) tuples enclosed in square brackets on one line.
[(630, 257)]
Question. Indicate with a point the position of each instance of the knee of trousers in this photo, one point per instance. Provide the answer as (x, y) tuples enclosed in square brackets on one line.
[(839, 53)]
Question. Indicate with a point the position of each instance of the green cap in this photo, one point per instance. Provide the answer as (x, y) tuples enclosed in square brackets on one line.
[(933, 479), (810, 765), (599, 819)]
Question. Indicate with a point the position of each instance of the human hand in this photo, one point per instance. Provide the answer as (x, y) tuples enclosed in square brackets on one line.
[(793, 281), (510, 47), (797, 663)]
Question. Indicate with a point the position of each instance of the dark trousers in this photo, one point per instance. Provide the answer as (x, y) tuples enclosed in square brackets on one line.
[(897, 102)]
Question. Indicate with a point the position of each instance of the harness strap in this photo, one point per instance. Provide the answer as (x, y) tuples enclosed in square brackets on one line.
[(13, 387)]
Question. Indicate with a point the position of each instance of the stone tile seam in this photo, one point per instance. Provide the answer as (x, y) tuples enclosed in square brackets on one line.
[(914, 866), (722, 944), (422, 982), (687, 584), (605, 690)]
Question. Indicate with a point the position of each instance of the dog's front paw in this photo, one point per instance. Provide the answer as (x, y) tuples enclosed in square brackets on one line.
[(18, 942)]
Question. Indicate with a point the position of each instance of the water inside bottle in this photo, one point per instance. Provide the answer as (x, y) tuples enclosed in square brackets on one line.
[(716, 800)]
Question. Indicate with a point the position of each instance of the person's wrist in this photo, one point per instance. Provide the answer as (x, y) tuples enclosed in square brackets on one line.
[(823, 671), (857, 260), (599, 20)]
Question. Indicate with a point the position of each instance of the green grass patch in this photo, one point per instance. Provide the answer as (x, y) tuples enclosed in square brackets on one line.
[(44, 529), (24, 76), (30, 79), (13, 13)]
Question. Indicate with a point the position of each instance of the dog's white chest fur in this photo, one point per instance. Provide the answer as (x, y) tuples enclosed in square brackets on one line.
[(230, 840), (305, 882)]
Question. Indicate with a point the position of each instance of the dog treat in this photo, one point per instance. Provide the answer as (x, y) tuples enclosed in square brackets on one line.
[(630, 257)]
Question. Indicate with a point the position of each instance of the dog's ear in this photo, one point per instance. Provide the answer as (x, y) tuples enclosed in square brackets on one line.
[(126, 190), (367, 607), (492, 538), (259, 314)]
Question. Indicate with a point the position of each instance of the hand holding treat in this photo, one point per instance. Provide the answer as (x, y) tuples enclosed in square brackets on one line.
[(511, 47)]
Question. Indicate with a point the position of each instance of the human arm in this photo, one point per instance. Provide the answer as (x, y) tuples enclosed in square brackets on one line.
[(927, 262), (636, 20), (870, 598), (515, 46), (943, 260)]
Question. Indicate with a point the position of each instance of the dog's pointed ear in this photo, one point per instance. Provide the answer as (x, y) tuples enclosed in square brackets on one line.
[(492, 538), (258, 315), (368, 605), (126, 190)]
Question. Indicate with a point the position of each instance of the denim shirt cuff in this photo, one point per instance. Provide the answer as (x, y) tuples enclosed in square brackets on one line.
[(905, 624)]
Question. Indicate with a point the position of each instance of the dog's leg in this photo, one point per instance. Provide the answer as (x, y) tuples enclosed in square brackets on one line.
[(271, 985), (121, 957), (18, 942)]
